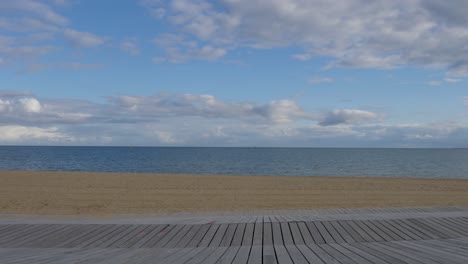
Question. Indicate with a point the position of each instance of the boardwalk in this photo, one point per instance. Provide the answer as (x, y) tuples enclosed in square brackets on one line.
[(405, 235)]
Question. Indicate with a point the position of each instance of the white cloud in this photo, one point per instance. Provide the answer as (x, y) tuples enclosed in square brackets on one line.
[(452, 80), (24, 134), (35, 8), (354, 33), (465, 100), (178, 49), (205, 120), (346, 116), (30, 105), (130, 46), (82, 39), (321, 80), (434, 83)]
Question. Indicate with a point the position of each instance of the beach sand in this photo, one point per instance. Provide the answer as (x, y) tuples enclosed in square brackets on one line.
[(68, 193)]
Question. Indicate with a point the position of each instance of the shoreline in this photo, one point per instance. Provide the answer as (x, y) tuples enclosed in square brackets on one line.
[(103, 193)]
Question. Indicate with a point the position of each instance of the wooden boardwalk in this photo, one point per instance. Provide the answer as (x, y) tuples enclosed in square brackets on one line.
[(387, 236)]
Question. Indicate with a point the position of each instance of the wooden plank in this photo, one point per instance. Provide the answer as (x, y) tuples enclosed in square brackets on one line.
[(178, 237), (267, 234), (79, 241), (286, 233), (324, 232), (242, 255), (390, 258), (400, 254), (282, 255), (215, 255), (331, 230), (209, 235), (309, 255), (57, 230), (195, 241), (158, 236), (131, 236), (362, 233), (428, 230), (255, 256), (228, 236), (218, 237), (276, 232), (296, 234), (238, 235), (168, 236), (415, 229), (149, 234), (323, 255), (400, 230), (379, 231), (372, 233), (353, 255), (258, 234), (137, 236), (296, 254), (348, 238), (353, 233), (365, 254), (336, 254), (14, 240), (188, 236), (305, 233), (248, 235), (228, 256), (99, 240), (427, 252)]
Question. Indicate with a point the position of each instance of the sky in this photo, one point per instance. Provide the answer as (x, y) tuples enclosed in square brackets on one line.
[(264, 73)]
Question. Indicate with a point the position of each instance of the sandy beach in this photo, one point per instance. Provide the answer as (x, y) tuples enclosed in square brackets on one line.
[(24, 192)]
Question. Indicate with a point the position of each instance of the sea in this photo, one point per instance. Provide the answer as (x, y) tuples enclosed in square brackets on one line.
[(361, 162)]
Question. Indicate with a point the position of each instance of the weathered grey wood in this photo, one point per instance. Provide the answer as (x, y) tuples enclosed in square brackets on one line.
[(324, 233), (282, 255), (255, 256), (390, 258), (215, 255), (364, 254), (331, 230), (168, 236), (248, 235), (242, 255), (228, 236), (209, 235), (156, 235), (218, 237), (195, 241), (416, 253), (228, 255), (178, 237), (415, 236)]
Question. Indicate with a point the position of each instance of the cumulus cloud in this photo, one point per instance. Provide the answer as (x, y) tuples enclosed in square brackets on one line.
[(355, 33), (346, 116), (205, 120), (25, 134), (82, 39)]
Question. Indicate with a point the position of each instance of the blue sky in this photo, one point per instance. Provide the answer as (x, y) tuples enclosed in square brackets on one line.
[(234, 73)]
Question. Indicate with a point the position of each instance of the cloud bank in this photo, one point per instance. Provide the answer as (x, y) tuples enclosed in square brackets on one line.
[(205, 120)]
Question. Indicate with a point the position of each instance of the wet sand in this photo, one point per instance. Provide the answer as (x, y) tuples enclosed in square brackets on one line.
[(61, 193)]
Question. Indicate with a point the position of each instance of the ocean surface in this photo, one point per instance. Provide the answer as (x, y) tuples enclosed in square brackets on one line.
[(420, 163)]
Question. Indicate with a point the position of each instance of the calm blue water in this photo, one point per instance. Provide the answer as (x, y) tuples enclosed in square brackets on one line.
[(424, 163)]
